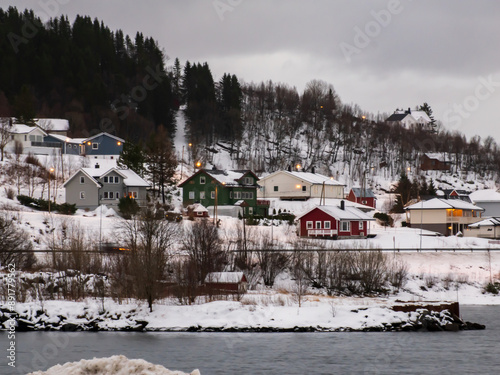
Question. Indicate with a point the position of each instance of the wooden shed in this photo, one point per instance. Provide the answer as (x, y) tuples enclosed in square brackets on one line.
[(226, 282)]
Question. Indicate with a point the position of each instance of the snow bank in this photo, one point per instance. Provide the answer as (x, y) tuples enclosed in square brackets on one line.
[(115, 365)]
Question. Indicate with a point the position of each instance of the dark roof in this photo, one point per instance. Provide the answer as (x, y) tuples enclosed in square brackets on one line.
[(397, 117), (358, 192)]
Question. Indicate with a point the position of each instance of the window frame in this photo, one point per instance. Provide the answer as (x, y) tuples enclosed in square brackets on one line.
[(95, 146), (309, 225), (82, 195)]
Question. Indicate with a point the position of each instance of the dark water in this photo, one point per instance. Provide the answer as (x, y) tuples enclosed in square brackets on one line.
[(466, 352)]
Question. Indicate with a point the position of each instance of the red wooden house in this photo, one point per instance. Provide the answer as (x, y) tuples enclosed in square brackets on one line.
[(335, 222), (362, 196)]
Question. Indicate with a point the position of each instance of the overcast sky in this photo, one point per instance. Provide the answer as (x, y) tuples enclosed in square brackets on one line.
[(381, 55)]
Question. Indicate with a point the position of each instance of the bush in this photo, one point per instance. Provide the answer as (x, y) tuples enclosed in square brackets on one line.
[(43, 205), (492, 288), (384, 219), (128, 207)]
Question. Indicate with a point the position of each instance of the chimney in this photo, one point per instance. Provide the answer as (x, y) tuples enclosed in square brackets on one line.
[(97, 166), (342, 205), (313, 170), (289, 168), (409, 110)]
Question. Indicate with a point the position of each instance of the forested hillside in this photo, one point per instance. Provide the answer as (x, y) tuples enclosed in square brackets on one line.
[(82, 71)]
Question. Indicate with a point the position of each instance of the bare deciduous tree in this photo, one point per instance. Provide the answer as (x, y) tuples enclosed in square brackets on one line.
[(150, 240), (15, 244)]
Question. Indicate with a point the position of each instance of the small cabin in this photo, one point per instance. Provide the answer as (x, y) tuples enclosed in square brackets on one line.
[(226, 282), (362, 196)]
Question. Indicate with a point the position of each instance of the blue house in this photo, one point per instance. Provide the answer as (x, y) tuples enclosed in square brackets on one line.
[(102, 144)]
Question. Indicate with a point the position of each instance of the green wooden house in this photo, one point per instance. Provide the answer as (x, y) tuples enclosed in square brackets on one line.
[(224, 188)]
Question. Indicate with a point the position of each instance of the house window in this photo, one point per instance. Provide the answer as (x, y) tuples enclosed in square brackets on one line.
[(364, 202), (191, 195), (25, 138), (106, 195), (304, 188), (345, 226), (82, 180), (212, 194), (360, 225), (237, 195), (326, 225), (95, 146), (309, 224), (202, 179), (105, 180), (132, 194), (248, 181), (199, 213), (117, 195), (82, 195), (202, 195), (318, 225), (250, 210), (275, 188)]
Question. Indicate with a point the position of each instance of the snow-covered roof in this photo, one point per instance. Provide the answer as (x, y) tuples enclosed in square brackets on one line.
[(224, 277), (130, 178), (24, 129), (104, 134), (443, 204), (197, 207), (486, 195), (226, 177), (365, 193), (348, 213), (53, 124), (312, 178), (437, 156), (420, 116), (492, 221)]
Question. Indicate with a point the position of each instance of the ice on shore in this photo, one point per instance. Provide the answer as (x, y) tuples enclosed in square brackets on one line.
[(115, 365)]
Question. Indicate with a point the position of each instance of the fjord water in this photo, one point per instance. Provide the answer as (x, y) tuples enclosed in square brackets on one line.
[(466, 352)]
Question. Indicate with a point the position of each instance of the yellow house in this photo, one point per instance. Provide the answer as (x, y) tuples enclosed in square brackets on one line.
[(446, 216), (299, 186)]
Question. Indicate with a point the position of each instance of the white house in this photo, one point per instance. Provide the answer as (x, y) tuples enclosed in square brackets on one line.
[(487, 228), (489, 199), (446, 216), (299, 186), (27, 136), (409, 118)]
